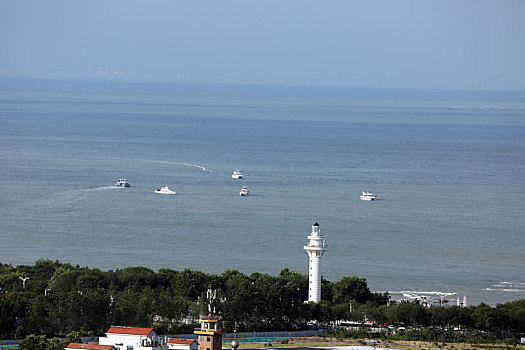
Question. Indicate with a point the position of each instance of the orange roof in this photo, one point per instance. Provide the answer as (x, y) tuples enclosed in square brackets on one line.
[(89, 346), (181, 341), (130, 330)]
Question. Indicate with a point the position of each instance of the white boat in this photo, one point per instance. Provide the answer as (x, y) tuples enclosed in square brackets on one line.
[(237, 175), (122, 183), (367, 196), (244, 191), (164, 190)]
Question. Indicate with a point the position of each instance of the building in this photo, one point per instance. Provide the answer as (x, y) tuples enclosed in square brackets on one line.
[(72, 346), (210, 333), (183, 344), (133, 338), (315, 249)]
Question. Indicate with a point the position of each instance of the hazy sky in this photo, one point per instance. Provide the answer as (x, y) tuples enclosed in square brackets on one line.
[(421, 43)]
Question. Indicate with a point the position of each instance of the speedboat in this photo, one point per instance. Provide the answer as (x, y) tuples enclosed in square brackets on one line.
[(237, 175), (244, 191), (367, 196), (164, 190), (122, 183)]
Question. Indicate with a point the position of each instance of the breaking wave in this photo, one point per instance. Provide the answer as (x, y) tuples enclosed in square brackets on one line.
[(507, 286)]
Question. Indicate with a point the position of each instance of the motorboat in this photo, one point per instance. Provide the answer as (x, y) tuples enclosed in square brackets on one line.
[(367, 196), (164, 190), (237, 175), (122, 183), (244, 191)]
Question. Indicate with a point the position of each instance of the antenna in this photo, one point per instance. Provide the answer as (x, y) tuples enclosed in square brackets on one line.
[(24, 279), (211, 295)]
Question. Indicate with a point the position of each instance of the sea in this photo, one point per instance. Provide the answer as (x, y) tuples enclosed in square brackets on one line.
[(448, 168)]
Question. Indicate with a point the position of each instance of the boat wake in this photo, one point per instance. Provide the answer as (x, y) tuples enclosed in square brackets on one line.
[(84, 156), (168, 162), (210, 171), (102, 188)]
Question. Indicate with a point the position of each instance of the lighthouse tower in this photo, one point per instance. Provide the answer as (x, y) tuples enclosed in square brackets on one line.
[(315, 249)]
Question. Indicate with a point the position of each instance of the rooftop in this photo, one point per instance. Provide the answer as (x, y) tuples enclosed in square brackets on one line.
[(210, 318), (129, 330)]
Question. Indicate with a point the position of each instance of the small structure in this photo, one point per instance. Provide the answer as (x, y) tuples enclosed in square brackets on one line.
[(136, 338), (72, 346), (210, 333), (315, 249), (183, 344)]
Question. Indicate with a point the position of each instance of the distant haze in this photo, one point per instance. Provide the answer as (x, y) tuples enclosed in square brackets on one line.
[(407, 44)]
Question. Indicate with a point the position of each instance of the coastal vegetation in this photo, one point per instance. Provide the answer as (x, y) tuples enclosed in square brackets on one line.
[(55, 299)]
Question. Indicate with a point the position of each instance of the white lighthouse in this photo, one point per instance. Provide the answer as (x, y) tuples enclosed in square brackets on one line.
[(315, 249)]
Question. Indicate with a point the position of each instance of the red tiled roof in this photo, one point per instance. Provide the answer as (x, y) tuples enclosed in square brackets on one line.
[(89, 346), (181, 341), (130, 330)]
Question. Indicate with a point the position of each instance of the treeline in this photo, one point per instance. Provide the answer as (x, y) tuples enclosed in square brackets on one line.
[(59, 298), (508, 317), (439, 337)]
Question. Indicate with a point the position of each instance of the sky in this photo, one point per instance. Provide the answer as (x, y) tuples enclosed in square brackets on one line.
[(445, 44)]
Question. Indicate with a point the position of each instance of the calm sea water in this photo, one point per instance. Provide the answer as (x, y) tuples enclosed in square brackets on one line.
[(448, 168)]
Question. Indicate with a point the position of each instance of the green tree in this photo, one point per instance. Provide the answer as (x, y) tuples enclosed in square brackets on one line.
[(34, 342), (36, 318), (518, 318), (170, 307), (12, 308), (134, 307), (137, 277), (63, 279), (240, 294), (351, 288), (326, 290), (377, 314), (481, 316), (190, 284), (96, 310), (55, 344), (320, 311), (269, 306), (72, 337)]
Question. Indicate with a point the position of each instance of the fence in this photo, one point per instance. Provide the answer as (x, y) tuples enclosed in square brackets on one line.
[(261, 337)]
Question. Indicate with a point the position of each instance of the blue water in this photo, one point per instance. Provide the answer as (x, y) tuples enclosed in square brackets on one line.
[(448, 168)]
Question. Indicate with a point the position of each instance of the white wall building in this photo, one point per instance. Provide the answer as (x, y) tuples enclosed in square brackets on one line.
[(315, 249), (182, 344), (133, 338)]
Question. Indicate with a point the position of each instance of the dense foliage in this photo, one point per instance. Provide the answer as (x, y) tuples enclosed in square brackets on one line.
[(59, 298), (432, 335), (40, 342)]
